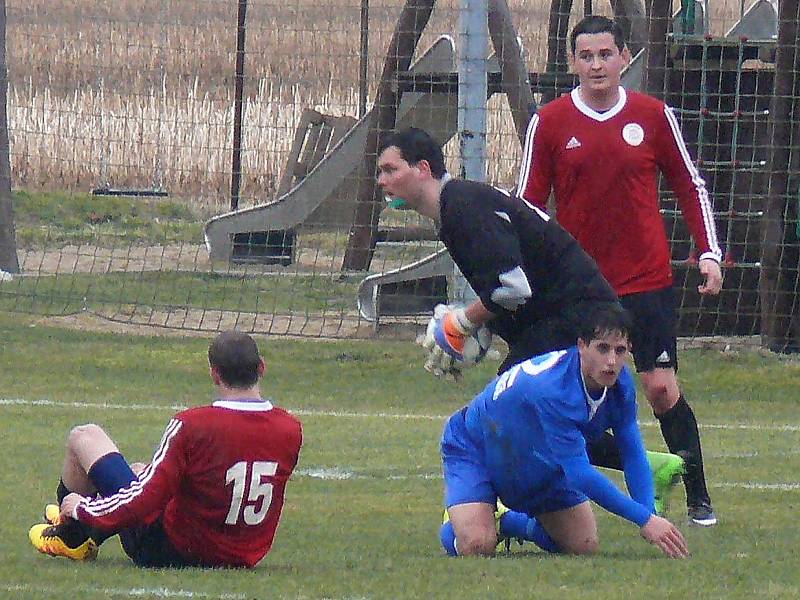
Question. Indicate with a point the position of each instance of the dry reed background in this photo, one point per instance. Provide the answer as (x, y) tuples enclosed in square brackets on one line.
[(139, 93)]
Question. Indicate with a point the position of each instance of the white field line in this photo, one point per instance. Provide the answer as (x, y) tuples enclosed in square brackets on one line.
[(340, 474), (21, 588), (122, 592), (351, 415)]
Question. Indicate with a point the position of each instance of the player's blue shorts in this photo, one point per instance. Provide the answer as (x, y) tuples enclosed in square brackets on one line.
[(536, 488)]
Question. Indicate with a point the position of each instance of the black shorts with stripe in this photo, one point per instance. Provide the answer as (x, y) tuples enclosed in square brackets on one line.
[(654, 335), (149, 546)]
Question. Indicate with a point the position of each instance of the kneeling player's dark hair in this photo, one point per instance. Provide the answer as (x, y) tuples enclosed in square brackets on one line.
[(235, 357), (597, 24), (416, 145), (602, 319)]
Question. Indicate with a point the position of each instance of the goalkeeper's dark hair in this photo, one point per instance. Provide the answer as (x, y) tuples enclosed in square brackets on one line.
[(416, 145), (235, 357), (597, 24), (602, 319)]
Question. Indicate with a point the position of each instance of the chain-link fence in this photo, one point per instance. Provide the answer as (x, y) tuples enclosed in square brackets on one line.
[(136, 127)]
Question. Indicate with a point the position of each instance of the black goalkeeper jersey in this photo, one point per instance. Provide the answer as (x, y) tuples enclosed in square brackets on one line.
[(490, 234)]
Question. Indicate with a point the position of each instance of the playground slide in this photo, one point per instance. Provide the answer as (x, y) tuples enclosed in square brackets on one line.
[(437, 113), (759, 22), (410, 290)]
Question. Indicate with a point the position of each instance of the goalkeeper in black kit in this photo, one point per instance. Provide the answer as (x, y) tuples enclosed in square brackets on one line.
[(533, 281), (531, 277)]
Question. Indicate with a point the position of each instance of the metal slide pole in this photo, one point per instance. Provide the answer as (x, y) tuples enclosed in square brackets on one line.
[(364, 58), (473, 37)]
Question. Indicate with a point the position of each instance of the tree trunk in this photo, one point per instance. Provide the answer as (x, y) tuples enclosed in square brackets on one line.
[(655, 74), (361, 241), (557, 41), (514, 74), (631, 17), (779, 281), (8, 245)]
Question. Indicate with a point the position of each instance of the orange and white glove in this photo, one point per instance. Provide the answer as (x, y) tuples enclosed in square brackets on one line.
[(452, 331), (445, 339)]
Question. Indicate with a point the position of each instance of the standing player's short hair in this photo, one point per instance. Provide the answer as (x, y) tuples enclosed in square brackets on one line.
[(235, 357), (605, 318), (597, 24), (416, 145)]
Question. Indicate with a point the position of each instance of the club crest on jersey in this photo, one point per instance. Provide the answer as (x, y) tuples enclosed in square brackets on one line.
[(633, 134), (572, 143)]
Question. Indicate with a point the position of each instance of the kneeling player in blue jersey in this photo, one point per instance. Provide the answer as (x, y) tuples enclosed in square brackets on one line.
[(523, 439)]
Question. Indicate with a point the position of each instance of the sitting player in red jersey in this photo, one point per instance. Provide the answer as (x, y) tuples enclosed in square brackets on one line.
[(212, 494)]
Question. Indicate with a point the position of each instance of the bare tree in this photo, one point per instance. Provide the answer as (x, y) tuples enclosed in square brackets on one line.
[(779, 252), (8, 245), (361, 241)]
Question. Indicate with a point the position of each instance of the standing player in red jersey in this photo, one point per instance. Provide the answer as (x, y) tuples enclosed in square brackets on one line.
[(600, 149), (213, 493)]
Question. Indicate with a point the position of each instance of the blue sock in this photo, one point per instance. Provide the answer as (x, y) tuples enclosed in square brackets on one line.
[(537, 534), (448, 538), (519, 525), (110, 473), (514, 525)]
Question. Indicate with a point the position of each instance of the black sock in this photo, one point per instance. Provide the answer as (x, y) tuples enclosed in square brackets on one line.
[(62, 491), (605, 453), (72, 532), (679, 428)]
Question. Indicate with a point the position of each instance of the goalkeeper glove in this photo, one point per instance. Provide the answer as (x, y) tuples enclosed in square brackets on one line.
[(440, 361), (452, 331)]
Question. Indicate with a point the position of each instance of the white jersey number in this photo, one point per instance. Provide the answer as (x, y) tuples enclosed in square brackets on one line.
[(259, 495)]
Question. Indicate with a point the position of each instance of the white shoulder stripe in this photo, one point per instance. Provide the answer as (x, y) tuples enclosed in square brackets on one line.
[(706, 210), (546, 362), (104, 506), (527, 155)]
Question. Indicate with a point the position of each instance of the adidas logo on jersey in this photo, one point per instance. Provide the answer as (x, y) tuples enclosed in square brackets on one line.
[(663, 358), (573, 143)]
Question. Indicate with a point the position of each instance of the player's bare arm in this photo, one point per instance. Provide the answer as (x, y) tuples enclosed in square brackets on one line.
[(712, 277), (666, 536), (478, 314), (69, 504)]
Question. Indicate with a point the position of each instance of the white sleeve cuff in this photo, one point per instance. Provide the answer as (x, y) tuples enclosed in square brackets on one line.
[(712, 255), (514, 290)]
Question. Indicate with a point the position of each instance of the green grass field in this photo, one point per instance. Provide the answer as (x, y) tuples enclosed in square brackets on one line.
[(363, 511)]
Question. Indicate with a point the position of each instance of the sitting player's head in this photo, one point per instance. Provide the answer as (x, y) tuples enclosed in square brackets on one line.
[(234, 360), (603, 344)]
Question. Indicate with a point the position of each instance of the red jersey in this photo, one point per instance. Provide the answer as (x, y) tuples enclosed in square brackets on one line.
[(603, 169), (217, 481)]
